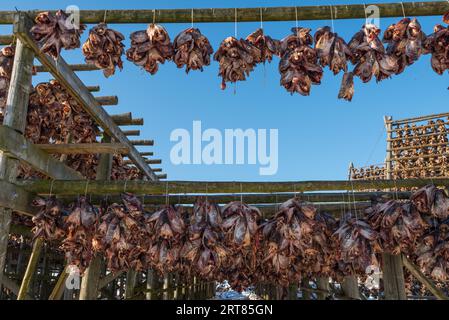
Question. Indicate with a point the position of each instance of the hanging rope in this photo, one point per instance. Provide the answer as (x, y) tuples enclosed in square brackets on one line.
[(166, 194), (364, 10), (85, 190), (154, 16), (403, 11), (296, 16), (261, 18), (235, 23), (332, 17), (104, 18), (51, 187)]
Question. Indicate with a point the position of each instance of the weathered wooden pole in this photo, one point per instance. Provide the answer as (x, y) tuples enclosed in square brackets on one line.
[(437, 292), (151, 284), (131, 277), (59, 287), (31, 268), (350, 287), (15, 117), (91, 278), (392, 270), (322, 283)]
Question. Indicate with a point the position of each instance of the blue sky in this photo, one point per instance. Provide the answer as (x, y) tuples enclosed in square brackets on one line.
[(318, 135)]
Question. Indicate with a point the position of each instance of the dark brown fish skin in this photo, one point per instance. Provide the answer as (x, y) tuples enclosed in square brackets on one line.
[(347, 86), (437, 44), (53, 32), (299, 67), (268, 47), (192, 50), (150, 47)]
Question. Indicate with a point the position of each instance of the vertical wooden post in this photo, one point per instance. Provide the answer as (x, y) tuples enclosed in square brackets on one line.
[(31, 268), (305, 293), (58, 289), (91, 278), (15, 117), (151, 279), (392, 269), (322, 283), (165, 287), (350, 287), (131, 277)]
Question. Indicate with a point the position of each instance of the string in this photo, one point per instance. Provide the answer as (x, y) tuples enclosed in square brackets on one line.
[(364, 10), (332, 18), (104, 18), (403, 11), (235, 23), (192, 17), (261, 18), (296, 16), (85, 190), (166, 194), (241, 193), (154, 16), (124, 187), (51, 187)]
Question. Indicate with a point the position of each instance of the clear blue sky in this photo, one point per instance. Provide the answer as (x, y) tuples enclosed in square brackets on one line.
[(318, 135)]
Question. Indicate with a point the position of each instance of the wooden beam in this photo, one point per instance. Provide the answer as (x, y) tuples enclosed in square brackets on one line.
[(31, 268), (15, 117), (150, 153), (84, 148), (149, 161), (350, 287), (17, 199), (131, 276), (59, 287), (75, 187), (14, 287), (421, 118), (73, 67), (133, 122), (437, 292), (15, 145), (108, 278), (93, 88), (162, 176), (122, 118), (107, 100), (128, 133), (61, 71), (142, 142), (321, 12), (393, 277)]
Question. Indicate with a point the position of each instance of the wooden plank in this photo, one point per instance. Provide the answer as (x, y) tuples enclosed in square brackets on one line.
[(14, 287), (421, 118), (75, 187), (15, 145), (16, 198), (73, 67), (61, 71), (84, 148), (142, 142), (31, 268), (149, 161), (108, 278), (132, 122), (320, 12), (93, 88), (350, 287), (128, 133), (107, 100), (393, 277), (58, 290), (437, 292), (162, 176), (131, 277)]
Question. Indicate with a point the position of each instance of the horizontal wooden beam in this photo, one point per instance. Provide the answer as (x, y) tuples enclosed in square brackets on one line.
[(162, 176), (132, 122), (15, 145), (281, 197), (107, 100), (421, 118), (122, 117), (148, 187), (127, 133), (149, 153), (149, 161), (108, 278), (157, 169), (142, 142), (73, 67), (71, 82), (320, 12), (16, 198), (428, 284), (84, 148), (93, 88)]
